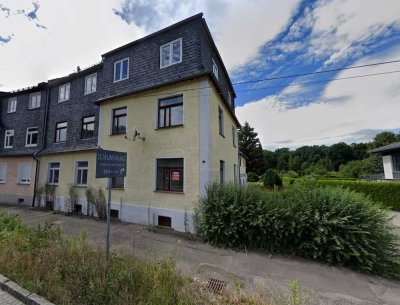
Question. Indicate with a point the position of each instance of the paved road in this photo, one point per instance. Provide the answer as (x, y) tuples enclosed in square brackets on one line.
[(6, 299), (257, 271)]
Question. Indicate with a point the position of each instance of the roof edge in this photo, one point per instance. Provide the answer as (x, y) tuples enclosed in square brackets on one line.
[(194, 17)]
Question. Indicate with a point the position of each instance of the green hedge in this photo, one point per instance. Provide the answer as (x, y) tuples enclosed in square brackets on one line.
[(387, 193), (331, 225)]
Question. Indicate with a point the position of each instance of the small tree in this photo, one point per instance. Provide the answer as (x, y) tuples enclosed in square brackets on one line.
[(271, 178), (100, 204), (90, 200), (71, 200), (39, 195), (50, 195)]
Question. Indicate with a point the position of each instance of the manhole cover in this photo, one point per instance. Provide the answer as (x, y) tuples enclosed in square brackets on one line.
[(215, 285)]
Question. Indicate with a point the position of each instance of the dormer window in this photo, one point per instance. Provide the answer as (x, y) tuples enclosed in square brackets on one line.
[(171, 53), (121, 70), (63, 93), (90, 83), (215, 68), (34, 100), (12, 105)]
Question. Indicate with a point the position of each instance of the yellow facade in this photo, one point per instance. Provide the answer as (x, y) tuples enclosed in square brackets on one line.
[(139, 194), (222, 146)]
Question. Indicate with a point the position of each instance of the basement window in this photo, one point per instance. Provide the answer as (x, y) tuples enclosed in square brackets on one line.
[(164, 221)]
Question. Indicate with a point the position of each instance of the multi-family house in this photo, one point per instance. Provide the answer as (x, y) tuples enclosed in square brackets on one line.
[(167, 101), (22, 135)]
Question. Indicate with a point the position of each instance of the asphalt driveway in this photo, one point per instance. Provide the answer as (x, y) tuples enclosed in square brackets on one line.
[(257, 271)]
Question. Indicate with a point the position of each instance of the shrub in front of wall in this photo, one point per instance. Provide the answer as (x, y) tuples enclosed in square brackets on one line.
[(331, 225)]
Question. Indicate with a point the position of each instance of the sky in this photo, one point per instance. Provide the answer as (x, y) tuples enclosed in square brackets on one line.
[(257, 39)]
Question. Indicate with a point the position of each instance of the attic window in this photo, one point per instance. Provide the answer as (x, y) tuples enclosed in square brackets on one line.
[(215, 68), (171, 53)]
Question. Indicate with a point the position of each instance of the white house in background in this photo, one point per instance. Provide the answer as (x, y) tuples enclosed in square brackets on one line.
[(391, 160)]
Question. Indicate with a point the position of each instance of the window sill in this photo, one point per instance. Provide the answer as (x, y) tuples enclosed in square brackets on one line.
[(59, 102), (172, 64), (168, 127), (118, 134), (61, 142), (8, 147), (88, 93), (53, 184), (120, 80), (30, 146), (169, 192), (24, 183), (35, 108)]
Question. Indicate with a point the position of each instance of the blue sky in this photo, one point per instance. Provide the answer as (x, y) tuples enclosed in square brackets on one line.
[(257, 40)]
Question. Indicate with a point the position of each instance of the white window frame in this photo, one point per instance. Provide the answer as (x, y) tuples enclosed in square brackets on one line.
[(38, 97), (49, 169), (3, 172), (170, 45), (20, 179), (12, 105), (29, 134), (92, 76), (215, 68), (78, 168), (115, 70), (64, 87), (8, 133)]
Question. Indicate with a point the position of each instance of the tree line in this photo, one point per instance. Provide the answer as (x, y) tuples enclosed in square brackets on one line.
[(339, 160)]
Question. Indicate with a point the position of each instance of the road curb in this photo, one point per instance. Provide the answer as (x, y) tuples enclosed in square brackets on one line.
[(25, 296)]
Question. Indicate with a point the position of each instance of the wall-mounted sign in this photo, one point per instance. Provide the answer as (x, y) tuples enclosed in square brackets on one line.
[(110, 164)]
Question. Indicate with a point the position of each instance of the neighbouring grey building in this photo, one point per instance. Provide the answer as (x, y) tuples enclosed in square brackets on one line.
[(391, 160)]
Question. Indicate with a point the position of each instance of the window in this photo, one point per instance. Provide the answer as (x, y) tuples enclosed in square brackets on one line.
[(230, 99), (24, 173), (87, 127), (81, 175), (117, 182), (3, 173), (31, 136), (34, 100), (61, 132), (234, 136), (396, 162), (171, 53), (119, 121), (121, 70), (63, 93), (170, 175), (170, 111), (235, 173), (221, 121), (215, 68), (90, 83), (9, 138), (12, 105), (53, 174), (221, 171)]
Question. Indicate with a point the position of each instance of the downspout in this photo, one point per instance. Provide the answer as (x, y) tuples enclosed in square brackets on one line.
[(46, 113)]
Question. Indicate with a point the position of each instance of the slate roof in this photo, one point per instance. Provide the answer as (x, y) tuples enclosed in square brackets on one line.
[(391, 147)]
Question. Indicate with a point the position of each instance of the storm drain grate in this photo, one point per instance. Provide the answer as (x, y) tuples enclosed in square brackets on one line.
[(215, 285)]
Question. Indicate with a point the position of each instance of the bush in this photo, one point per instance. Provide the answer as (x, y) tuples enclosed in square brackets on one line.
[(100, 204), (71, 200), (387, 193), (252, 177), (272, 178), (331, 225)]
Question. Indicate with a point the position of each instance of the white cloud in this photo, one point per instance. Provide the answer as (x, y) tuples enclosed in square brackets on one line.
[(345, 109), (78, 32), (344, 28)]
